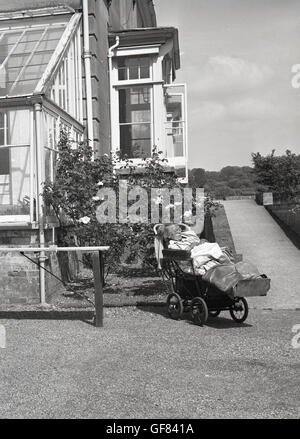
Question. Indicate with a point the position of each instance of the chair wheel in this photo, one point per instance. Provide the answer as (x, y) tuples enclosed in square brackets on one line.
[(199, 311), (239, 310), (175, 306)]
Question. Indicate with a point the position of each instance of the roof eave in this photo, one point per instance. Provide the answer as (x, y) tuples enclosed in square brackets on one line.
[(148, 36)]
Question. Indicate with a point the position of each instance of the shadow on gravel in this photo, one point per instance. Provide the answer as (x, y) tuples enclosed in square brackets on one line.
[(225, 323), (213, 322)]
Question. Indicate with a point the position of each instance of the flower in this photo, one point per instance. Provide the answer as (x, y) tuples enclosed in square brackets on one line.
[(188, 213), (158, 200), (170, 206), (85, 220)]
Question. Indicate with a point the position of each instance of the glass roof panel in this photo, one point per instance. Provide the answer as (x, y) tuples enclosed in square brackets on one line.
[(26, 47)]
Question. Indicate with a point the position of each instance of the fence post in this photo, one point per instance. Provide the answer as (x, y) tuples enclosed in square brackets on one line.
[(98, 283)]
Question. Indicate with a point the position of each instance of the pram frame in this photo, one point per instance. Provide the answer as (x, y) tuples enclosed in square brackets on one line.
[(198, 300)]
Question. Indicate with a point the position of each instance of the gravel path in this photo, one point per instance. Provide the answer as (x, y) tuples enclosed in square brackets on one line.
[(144, 365), (261, 241)]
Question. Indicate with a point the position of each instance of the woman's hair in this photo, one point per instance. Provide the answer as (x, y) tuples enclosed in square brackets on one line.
[(167, 231)]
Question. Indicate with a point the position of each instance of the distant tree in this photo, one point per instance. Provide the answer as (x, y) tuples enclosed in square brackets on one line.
[(231, 171), (197, 177), (279, 174)]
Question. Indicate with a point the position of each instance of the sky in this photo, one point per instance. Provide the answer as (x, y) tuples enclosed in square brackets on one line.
[(237, 58)]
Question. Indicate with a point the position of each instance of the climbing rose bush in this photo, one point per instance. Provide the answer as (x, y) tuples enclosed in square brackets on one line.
[(73, 199)]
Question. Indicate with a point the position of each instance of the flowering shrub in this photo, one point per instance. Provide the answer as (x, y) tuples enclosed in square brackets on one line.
[(74, 199)]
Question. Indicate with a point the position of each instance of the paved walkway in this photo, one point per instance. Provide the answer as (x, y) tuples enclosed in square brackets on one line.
[(261, 241)]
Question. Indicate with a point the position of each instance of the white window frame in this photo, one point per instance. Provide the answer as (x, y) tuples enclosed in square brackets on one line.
[(66, 88), (154, 81), (21, 219), (180, 161), (138, 160), (75, 135)]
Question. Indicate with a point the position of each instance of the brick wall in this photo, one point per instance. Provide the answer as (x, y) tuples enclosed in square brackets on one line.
[(20, 278)]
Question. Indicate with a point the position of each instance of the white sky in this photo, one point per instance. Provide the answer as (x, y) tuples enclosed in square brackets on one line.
[(236, 58)]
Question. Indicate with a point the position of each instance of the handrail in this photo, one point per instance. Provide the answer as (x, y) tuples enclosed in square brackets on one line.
[(53, 248)]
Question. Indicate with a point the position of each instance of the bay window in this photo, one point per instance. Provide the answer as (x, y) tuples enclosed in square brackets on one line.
[(148, 110)]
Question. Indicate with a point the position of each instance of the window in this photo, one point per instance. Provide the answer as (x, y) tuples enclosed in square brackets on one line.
[(25, 51), (14, 161), (66, 88), (175, 125), (50, 142), (146, 110), (4, 161), (52, 127), (132, 68), (3, 128), (135, 121), (4, 151), (176, 128)]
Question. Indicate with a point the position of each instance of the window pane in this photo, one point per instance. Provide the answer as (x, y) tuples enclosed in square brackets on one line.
[(48, 164), (135, 67), (17, 60), (18, 127), (20, 176), (2, 129), (24, 87), (134, 105), (22, 50), (122, 73), (4, 161), (145, 72), (133, 72), (135, 140)]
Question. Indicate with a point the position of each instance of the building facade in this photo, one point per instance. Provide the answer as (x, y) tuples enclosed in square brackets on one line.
[(101, 69)]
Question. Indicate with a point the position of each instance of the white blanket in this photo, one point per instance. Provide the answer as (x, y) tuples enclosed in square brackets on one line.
[(205, 252)]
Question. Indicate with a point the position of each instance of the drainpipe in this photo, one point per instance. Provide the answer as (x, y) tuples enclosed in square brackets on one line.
[(110, 55), (87, 66), (111, 52), (39, 161)]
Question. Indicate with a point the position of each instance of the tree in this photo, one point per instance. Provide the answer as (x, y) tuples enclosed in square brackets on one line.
[(197, 177), (279, 174)]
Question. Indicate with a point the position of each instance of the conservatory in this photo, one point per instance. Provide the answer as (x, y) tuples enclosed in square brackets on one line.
[(40, 92)]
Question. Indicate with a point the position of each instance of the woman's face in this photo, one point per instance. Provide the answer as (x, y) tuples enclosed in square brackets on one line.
[(174, 233)]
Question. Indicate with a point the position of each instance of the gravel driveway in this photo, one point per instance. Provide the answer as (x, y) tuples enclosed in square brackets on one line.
[(144, 365)]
